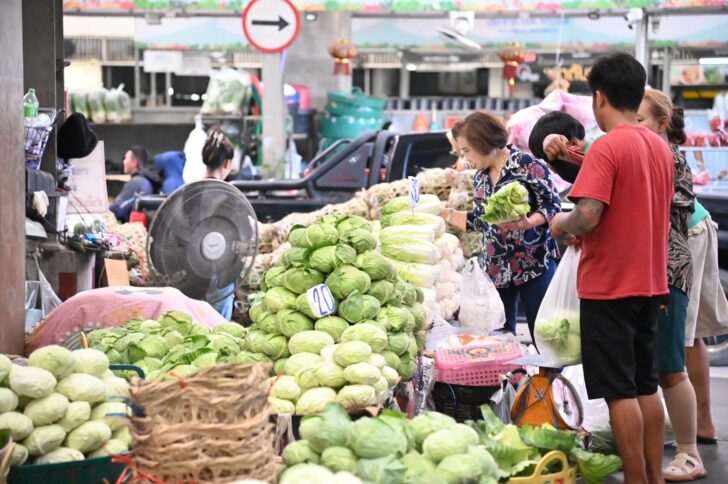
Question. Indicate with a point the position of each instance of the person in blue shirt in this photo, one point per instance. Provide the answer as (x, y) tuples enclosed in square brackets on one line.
[(171, 164), (145, 180)]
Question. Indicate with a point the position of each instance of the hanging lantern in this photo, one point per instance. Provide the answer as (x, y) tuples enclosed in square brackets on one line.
[(512, 56), (342, 51)]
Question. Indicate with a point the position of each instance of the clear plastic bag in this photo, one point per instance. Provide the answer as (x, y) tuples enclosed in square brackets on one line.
[(195, 168), (481, 306), (557, 330), (48, 298)]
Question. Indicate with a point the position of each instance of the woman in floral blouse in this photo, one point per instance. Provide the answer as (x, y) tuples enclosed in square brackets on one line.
[(520, 257)]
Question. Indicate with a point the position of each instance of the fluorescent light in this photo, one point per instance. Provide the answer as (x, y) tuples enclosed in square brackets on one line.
[(411, 67), (713, 61), (195, 97), (170, 91)]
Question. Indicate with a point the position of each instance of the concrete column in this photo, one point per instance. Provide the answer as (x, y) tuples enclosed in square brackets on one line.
[(641, 44), (274, 110), (12, 164), (42, 49), (308, 61)]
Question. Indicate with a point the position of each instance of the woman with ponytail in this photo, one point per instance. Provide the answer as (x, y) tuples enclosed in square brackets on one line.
[(657, 114), (217, 154)]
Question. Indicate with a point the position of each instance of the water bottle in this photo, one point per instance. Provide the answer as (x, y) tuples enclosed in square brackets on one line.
[(30, 104)]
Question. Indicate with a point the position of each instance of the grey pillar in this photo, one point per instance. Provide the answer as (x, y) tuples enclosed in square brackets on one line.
[(308, 61), (641, 44), (666, 67), (43, 52), (12, 195), (274, 105)]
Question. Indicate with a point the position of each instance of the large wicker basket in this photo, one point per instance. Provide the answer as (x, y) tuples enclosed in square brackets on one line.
[(212, 426)]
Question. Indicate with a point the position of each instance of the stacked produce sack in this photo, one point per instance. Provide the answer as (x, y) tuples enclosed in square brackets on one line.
[(64, 407), (172, 343), (430, 449), (422, 253), (354, 355)]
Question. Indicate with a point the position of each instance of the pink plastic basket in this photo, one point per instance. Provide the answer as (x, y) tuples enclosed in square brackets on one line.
[(476, 365)]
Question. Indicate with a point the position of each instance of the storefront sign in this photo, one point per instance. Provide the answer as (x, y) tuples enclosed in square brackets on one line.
[(88, 183)]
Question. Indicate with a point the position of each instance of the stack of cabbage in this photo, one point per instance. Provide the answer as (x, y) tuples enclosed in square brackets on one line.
[(422, 253), (356, 354), (64, 406), (173, 342), (430, 449)]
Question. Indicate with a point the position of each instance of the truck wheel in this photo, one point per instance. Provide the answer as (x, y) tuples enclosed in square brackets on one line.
[(717, 349)]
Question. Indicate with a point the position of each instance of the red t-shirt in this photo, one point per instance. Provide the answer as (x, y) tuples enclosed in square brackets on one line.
[(631, 170)]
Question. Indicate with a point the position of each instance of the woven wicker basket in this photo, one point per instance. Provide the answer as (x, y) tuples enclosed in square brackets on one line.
[(210, 427)]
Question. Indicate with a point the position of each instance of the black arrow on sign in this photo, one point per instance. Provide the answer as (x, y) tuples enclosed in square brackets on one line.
[(280, 23)]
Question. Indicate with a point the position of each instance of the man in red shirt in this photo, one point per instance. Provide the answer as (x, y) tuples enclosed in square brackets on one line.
[(621, 222)]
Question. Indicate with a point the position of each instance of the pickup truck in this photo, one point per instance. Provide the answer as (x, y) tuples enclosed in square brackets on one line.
[(337, 173)]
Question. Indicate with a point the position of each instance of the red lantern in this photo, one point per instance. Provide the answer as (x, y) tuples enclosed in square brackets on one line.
[(342, 51), (512, 56)]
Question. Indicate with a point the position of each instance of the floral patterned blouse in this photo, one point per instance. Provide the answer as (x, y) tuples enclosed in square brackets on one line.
[(679, 263), (510, 257)]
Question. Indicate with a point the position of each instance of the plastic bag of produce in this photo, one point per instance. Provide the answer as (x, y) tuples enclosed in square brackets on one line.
[(96, 106), (118, 105), (481, 305), (557, 330)]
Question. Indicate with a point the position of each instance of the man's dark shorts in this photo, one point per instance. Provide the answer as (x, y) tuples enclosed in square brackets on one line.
[(618, 344)]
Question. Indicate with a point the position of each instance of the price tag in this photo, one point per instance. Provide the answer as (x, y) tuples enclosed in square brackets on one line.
[(414, 192), (321, 301)]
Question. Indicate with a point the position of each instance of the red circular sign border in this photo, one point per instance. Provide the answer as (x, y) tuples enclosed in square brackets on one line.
[(266, 50)]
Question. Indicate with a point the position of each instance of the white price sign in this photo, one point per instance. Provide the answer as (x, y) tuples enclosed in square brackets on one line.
[(414, 192), (321, 301)]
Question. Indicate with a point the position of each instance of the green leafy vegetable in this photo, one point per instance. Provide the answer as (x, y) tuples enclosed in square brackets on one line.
[(508, 204)]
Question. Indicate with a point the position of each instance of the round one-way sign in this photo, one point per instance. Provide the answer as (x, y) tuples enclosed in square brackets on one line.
[(271, 25)]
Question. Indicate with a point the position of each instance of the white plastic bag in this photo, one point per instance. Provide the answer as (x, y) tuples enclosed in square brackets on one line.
[(557, 330), (48, 298), (481, 306), (194, 168)]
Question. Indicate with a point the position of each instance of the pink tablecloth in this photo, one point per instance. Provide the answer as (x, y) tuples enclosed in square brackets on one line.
[(107, 307)]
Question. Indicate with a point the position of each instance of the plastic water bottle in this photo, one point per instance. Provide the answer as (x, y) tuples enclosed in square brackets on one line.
[(30, 104)]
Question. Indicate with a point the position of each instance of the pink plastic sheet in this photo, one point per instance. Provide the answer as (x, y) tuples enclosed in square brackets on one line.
[(108, 307)]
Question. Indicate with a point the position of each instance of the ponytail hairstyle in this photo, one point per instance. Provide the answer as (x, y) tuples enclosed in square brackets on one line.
[(217, 149), (661, 107)]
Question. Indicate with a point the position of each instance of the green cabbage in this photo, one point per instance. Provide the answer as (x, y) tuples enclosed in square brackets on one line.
[(352, 396), (595, 468), (307, 474), (419, 313), (321, 235), (31, 382), (374, 438), (299, 452), (299, 361), (390, 375), (231, 329), (5, 367), (309, 342), (419, 469), (290, 322), (112, 414), (123, 435), (80, 386), (358, 307), (294, 257), (256, 310), (300, 280), (313, 401), (56, 359), (47, 410), (339, 459), (362, 373), (346, 280), (326, 259), (275, 346), (281, 406), (327, 353), (297, 237), (547, 438), (76, 414), (398, 319), (88, 436), (508, 204), (303, 307), (112, 447), (382, 290), (377, 360), (19, 425), (332, 325), (381, 385), (435, 222), (330, 375), (398, 343), (391, 358), (352, 222), (178, 321), (443, 443), (152, 346), (352, 352), (375, 265), (61, 454), (8, 400), (223, 344), (285, 387), (248, 357), (362, 240), (420, 340), (279, 298), (44, 439), (407, 367), (456, 469), (407, 291), (20, 455), (274, 277), (428, 423), (369, 334), (327, 429), (279, 367), (306, 378), (269, 321), (121, 344), (385, 470)]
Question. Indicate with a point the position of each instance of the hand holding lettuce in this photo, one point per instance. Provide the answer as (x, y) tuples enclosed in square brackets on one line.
[(508, 204)]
